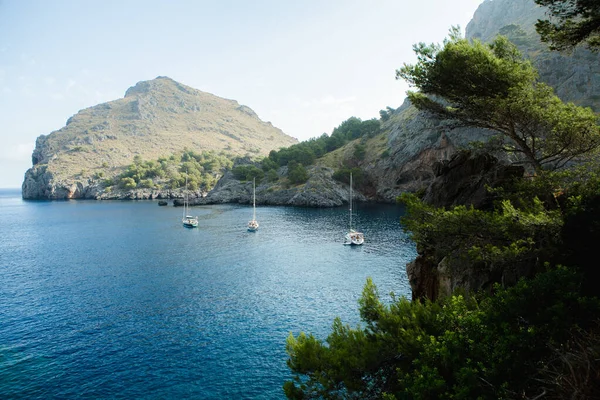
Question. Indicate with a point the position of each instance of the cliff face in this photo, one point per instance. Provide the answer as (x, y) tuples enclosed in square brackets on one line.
[(575, 75), (463, 180), (321, 190), (155, 118), (575, 78)]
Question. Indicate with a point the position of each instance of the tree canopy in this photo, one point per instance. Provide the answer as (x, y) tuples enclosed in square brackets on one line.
[(491, 86), (458, 348), (572, 22), (201, 169)]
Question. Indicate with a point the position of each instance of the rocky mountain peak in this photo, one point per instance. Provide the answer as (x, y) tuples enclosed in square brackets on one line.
[(492, 15), (158, 84)]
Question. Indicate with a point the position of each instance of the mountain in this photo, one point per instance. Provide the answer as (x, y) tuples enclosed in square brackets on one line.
[(156, 118)]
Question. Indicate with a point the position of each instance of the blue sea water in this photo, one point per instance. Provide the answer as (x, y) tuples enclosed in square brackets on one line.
[(116, 299)]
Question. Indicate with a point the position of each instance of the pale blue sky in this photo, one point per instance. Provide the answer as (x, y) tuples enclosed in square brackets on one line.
[(303, 65)]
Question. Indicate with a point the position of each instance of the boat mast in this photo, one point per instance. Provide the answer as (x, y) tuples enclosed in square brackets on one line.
[(185, 197), (350, 201), (254, 199)]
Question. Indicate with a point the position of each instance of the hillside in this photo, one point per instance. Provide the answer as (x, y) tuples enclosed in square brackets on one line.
[(156, 118)]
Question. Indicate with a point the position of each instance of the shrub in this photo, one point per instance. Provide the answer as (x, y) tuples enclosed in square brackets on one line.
[(127, 183), (247, 172), (485, 347), (297, 173)]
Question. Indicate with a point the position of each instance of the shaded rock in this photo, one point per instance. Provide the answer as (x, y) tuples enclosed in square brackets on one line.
[(423, 278), (463, 180)]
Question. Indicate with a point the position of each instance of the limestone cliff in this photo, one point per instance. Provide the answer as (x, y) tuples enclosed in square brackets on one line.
[(575, 75), (463, 180), (415, 141), (156, 118)]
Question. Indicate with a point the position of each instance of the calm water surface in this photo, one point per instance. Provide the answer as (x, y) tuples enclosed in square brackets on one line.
[(116, 299)]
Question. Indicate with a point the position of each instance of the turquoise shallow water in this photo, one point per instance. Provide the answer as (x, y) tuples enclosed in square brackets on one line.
[(117, 300)]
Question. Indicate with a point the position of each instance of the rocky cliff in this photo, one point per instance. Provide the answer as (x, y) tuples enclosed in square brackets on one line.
[(575, 75), (403, 156), (462, 180), (321, 190), (416, 141), (156, 118)]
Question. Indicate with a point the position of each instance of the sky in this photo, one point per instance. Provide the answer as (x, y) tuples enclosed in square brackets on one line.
[(305, 66)]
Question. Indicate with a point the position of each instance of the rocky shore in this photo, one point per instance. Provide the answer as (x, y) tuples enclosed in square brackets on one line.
[(321, 190)]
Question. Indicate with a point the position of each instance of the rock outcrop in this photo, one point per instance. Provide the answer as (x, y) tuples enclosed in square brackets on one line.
[(462, 180), (416, 141), (321, 190)]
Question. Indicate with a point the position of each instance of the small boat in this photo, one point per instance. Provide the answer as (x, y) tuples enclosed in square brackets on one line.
[(253, 225), (353, 237), (188, 220)]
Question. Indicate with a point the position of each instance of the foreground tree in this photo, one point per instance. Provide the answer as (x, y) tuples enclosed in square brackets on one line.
[(573, 22), (459, 348), (491, 86)]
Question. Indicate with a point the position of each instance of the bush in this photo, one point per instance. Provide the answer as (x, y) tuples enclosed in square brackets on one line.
[(247, 172), (297, 173), (272, 175), (127, 183), (343, 175), (464, 235), (485, 347), (359, 151), (147, 183)]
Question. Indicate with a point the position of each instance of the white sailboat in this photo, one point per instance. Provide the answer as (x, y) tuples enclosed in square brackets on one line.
[(188, 220), (353, 237), (253, 225)]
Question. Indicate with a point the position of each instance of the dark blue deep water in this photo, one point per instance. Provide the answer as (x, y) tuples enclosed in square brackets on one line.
[(110, 299)]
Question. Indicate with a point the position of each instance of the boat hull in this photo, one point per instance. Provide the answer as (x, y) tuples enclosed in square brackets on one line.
[(252, 226), (190, 222), (354, 239)]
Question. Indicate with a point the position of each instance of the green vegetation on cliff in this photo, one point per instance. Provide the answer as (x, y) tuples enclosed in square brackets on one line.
[(573, 22), (494, 88), (201, 169), (533, 337), (301, 155)]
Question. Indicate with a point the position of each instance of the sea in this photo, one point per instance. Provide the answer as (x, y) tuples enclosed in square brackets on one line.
[(117, 300)]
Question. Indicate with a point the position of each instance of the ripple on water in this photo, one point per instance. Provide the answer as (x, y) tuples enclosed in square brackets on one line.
[(116, 299)]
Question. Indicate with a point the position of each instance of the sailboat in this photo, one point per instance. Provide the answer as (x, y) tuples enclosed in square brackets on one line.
[(188, 220), (253, 225), (353, 237)]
